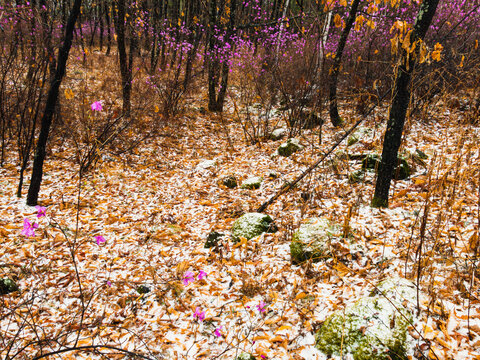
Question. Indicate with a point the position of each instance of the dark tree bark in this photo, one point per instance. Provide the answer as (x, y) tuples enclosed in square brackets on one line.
[(218, 71), (52, 97), (106, 7), (398, 110), (334, 116), (125, 64)]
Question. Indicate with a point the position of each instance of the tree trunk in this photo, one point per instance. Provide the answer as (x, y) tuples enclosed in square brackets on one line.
[(218, 72), (109, 27), (52, 97), (125, 69), (334, 116), (398, 111)]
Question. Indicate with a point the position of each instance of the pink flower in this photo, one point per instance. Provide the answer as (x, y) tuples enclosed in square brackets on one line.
[(96, 106), (109, 283), (188, 277), (99, 239), (201, 275), (40, 211), (261, 306), (200, 315), (28, 228), (217, 332)]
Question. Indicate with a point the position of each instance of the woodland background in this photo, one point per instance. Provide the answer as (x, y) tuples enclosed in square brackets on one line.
[(148, 92)]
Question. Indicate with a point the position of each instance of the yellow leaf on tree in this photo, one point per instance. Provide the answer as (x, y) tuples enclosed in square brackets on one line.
[(437, 52), (359, 22), (337, 20), (69, 95)]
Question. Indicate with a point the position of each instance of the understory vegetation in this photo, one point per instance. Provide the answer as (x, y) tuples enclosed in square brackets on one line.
[(198, 201)]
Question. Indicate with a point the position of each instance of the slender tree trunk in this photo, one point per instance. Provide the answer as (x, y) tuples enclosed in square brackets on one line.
[(109, 27), (52, 97), (334, 116), (398, 110), (125, 69), (218, 73), (280, 32), (100, 19)]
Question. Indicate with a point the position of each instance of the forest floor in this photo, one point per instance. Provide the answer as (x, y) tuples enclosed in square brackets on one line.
[(155, 207)]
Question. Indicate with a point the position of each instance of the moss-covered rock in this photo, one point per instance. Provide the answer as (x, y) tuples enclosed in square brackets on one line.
[(245, 356), (253, 182), (311, 240), (401, 172), (397, 289), (359, 134), (356, 176), (213, 239), (374, 328), (230, 181), (371, 162), (289, 147), (143, 289), (7, 286), (251, 225)]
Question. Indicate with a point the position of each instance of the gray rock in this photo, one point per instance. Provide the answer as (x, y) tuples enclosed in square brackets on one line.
[(278, 134), (289, 147), (252, 182), (7, 286), (251, 225), (205, 165), (374, 328), (311, 240)]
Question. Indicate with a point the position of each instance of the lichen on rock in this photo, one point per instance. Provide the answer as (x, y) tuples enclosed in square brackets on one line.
[(289, 147), (251, 225), (311, 240), (374, 328), (7, 286), (245, 356), (252, 183)]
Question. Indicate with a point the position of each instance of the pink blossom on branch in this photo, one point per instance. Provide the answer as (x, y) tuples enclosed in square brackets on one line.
[(40, 211), (96, 106), (188, 277), (201, 275), (99, 239), (217, 331), (200, 315), (261, 307), (28, 228)]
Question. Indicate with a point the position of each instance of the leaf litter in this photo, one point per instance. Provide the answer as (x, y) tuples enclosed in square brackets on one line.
[(143, 219)]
